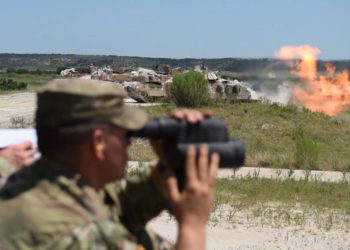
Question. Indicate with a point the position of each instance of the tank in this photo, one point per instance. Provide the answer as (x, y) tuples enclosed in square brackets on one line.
[(237, 93), (146, 85), (145, 92), (231, 91)]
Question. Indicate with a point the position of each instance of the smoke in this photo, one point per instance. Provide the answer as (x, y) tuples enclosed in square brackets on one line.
[(281, 93), (197, 68)]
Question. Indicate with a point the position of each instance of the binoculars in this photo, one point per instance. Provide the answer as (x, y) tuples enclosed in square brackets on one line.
[(178, 134)]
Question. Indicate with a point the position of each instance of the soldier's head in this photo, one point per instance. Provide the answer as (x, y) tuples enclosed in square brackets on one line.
[(86, 118)]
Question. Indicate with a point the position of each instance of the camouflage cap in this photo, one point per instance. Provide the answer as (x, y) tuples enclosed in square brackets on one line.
[(67, 102)]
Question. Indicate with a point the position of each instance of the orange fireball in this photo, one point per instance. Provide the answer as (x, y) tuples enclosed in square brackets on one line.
[(328, 93)]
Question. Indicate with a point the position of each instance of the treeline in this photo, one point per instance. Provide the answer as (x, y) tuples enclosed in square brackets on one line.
[(51, 62), (31, 72), (9, 84)]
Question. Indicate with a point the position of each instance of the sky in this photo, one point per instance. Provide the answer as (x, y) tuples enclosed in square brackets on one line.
[(175, 28)]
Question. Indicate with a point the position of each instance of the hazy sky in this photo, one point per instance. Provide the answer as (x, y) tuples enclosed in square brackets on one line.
[(175, 28)]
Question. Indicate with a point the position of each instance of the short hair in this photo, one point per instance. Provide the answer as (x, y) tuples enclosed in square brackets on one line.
[(53, 139), (58, 139)]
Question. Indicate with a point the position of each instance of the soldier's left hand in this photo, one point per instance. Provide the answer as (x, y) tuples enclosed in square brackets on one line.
[(18, 155), (163, 168)]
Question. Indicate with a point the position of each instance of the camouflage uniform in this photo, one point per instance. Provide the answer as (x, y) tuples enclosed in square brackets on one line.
[(5, 170), (49, 206)]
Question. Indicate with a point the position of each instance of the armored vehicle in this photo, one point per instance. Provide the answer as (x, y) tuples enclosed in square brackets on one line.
[(237, 93), (231, 91), (146, 85), (145, 92)]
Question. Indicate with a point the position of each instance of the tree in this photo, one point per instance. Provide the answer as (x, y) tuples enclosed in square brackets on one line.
[(10, 70)]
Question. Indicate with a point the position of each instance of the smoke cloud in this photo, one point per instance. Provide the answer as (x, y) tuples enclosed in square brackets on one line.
[(281, 94)]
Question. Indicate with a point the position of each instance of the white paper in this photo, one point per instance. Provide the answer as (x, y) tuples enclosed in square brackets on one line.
[(14, 136)]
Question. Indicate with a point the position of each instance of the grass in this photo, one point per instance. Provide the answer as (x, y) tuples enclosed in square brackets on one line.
[(267, 202), (247, 192), (141, 150), (280, 137), (20, 122), (32, 80), (272, 135)]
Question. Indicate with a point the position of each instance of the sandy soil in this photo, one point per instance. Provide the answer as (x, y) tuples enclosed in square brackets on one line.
[(16, 105), (249, 233), (24, 104)]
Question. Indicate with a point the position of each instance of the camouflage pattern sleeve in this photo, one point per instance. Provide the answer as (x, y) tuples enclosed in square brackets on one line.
[(5, 170), (134, 200), (100, 235), (50, 206)]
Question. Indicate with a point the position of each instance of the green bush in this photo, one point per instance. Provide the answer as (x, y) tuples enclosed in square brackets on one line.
[(307, 153), (190, 89), (9, 84)]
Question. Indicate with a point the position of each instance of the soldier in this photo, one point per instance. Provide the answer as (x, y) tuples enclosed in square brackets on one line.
[(70, 199)]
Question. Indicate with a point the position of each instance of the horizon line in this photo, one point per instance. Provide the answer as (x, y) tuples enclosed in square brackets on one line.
[(172, 58)]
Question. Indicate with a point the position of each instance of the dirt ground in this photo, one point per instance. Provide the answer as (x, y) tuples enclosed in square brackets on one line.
[(23, 105), (226, 230), (16, 105), (249, 233)]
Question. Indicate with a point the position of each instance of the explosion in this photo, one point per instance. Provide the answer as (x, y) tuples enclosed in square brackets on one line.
[(329, 93)]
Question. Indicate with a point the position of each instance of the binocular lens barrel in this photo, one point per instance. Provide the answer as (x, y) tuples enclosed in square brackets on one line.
[(209, 130), (232, 153), (179, 134), (159, 128)]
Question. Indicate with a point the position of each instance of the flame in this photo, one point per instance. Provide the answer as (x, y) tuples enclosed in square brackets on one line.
[(328, 93)]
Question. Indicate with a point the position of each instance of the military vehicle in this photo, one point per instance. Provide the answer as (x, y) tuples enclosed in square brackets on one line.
[(231, 91), (237, 93), (145, 92), (146, 85)]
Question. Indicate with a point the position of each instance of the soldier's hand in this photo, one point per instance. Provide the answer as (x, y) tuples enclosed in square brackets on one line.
[(191, 116), (19, 155), (192, 206), (163, 167)]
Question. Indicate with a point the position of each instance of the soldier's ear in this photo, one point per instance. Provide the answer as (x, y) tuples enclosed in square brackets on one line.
[(98, 144)]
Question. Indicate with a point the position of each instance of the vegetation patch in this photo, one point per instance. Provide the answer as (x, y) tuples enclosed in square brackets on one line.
[(190, 89), (9, 84), (280, 203), (20, 122), (250, 191), (277, 136), (30, 80)]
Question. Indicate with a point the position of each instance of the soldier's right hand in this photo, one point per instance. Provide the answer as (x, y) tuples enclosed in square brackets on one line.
[(192, 205)]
